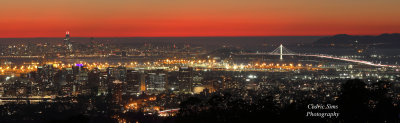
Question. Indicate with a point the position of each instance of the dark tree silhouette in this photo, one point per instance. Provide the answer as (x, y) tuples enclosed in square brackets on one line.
[(384, 111), (353, 102)]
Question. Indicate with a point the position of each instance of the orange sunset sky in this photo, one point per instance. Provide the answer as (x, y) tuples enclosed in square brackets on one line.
[(170, 18)]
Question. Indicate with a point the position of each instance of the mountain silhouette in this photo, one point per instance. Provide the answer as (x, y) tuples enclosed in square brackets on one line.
[(348, 40)]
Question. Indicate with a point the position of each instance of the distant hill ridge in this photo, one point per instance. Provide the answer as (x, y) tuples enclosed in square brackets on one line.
[(385, 39)]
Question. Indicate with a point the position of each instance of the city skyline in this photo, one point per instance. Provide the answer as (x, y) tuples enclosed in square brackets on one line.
[(179, 61), (199, 19)]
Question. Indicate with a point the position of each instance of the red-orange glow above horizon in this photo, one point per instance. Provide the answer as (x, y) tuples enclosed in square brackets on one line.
[(169, 18)]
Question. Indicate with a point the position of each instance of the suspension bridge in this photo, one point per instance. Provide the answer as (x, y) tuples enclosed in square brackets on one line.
[(283, 51)]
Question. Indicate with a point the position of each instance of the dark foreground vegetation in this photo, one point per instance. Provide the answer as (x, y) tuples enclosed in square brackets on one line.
[(356, 103)]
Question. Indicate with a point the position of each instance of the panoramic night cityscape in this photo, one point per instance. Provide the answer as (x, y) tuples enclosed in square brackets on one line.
[(199, 62)]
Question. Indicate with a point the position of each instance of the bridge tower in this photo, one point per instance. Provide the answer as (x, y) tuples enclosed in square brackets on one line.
[(281, 52)]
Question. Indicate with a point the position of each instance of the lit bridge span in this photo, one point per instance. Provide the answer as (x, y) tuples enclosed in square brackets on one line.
[(282, 51)]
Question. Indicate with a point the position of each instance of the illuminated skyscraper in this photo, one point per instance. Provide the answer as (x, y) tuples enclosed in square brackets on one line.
[(156, 82), (67, 36), (67, 42), (133, 82), (185, 77)]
